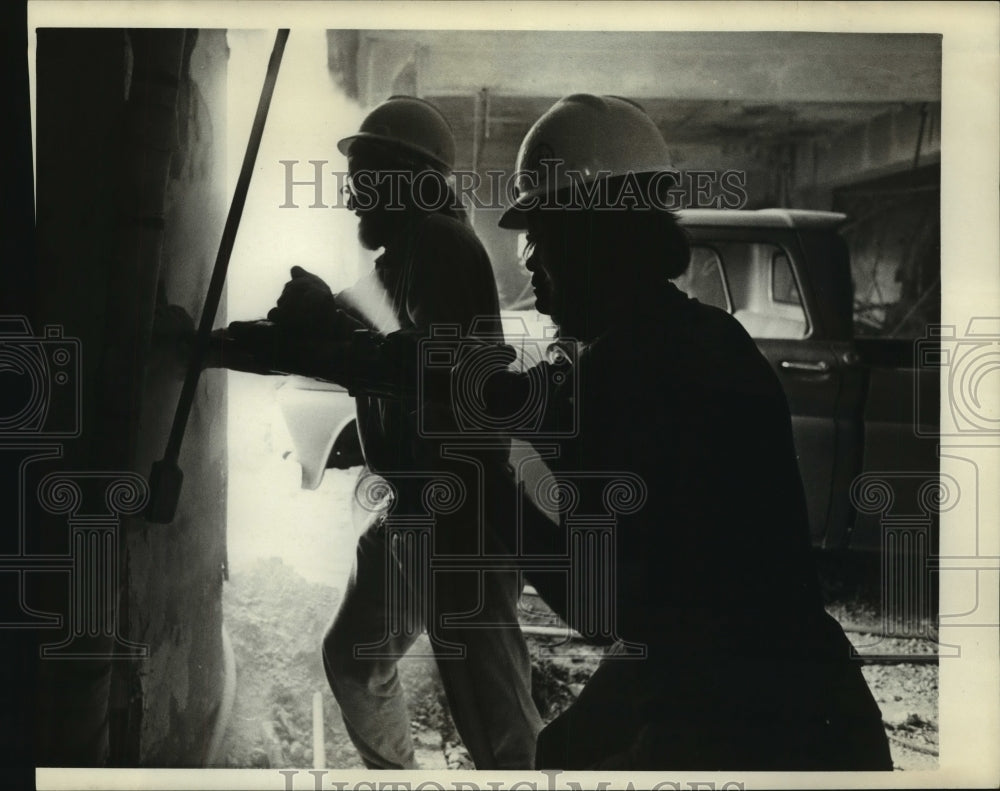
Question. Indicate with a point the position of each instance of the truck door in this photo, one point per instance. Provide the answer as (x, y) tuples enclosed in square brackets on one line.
[(901, 428), (757, 274)]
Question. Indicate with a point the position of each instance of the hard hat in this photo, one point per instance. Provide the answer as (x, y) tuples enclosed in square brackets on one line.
[(412, 126), (579, 140)]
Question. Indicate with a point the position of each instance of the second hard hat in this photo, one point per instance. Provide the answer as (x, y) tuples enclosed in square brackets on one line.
[(582, 139)]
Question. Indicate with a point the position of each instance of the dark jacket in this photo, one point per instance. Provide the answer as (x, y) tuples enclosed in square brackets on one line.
[(712, 571)]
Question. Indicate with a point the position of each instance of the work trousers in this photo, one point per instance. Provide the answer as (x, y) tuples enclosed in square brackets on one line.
[(486, 672)]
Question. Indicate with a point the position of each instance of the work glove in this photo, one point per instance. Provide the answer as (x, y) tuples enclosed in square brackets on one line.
[(307, 305)]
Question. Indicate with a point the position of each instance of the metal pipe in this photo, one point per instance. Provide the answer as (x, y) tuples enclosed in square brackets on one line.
[(166, 476)]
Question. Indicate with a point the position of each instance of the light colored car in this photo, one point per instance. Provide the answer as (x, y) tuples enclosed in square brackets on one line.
[(321, 420), (321, 415)]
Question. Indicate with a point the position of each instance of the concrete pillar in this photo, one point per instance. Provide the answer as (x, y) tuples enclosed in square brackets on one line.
[(131, 204), (175, 571)]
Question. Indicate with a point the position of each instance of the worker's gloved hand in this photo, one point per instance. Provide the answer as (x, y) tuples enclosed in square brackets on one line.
[(306, 305)]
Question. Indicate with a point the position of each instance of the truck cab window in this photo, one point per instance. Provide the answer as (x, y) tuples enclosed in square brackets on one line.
[(784, 289), (703, 279), (752, 280)]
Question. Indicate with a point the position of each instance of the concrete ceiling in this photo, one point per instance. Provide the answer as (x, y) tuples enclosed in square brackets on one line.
[(715, 96), (681, 120), (750, 67)]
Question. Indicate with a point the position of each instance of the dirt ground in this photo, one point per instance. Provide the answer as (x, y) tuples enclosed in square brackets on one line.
[(276, 620), (290, 552)]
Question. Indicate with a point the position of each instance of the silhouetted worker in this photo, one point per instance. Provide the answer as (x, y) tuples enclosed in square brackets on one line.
[(433, 271), (713, 572)]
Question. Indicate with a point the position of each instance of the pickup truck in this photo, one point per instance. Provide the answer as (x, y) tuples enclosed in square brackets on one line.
[(859, 405)]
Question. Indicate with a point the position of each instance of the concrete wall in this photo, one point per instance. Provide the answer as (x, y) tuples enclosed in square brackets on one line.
[(891, 143), (894, 237), (130, 136), (175, 572)]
